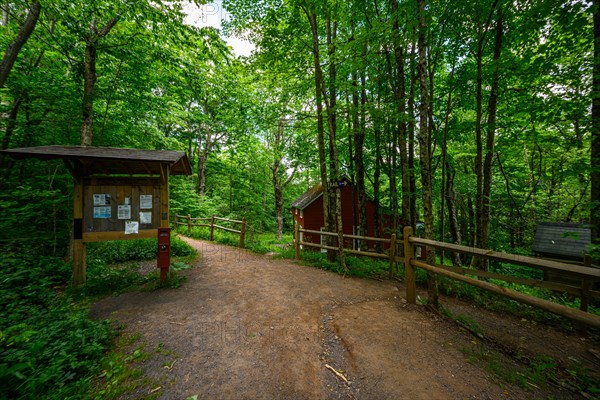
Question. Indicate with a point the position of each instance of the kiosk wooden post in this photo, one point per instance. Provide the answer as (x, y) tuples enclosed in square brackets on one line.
[(79, 253), (164, 213)]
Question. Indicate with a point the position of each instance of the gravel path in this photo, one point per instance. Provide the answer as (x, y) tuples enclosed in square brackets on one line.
[(245, 326)]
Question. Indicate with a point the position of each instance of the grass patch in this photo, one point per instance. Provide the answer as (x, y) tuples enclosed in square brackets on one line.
[(362, 267), (465, 320), (533, 373), (261, 243), (119, 373)]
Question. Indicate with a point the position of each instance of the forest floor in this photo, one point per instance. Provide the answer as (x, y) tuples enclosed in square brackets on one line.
[(246, 326)]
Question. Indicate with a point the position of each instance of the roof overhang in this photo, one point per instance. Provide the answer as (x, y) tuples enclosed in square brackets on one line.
[(87, 160)]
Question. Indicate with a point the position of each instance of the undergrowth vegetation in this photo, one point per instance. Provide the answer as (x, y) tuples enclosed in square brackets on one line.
[(50, 348), (261, 243)]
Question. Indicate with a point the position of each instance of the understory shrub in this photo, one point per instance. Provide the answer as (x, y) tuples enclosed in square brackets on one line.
[(48, 345), (119, 251)]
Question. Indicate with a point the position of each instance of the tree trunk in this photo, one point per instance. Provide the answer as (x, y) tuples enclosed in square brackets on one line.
[(484, 224), (11, 124), (425, 150), (202, 158), (89, 82), (89, 78), (376, 181), (392, 167), (359, 139), (312, 19), (336, 207), (444, 163), (278, 183), (414, 216), (278, 207), (595, 151), (400, 99), (452, 219), (12, 51), (479, 146)]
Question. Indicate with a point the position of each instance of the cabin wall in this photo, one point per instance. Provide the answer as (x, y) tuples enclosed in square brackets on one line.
[(312, 218)]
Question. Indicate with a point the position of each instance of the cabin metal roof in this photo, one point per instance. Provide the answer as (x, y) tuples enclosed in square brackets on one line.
[(87, 160), (315, 192), (566, 240), (308, 197)]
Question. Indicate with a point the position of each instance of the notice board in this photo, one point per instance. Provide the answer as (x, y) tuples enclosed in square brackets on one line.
[(126, 205)]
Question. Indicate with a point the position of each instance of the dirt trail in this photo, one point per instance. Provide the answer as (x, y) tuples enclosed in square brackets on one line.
[(245, 326)]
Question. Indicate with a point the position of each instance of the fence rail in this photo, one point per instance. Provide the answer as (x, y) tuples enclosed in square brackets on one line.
[(391, 255), (189, 223), (586, 274)]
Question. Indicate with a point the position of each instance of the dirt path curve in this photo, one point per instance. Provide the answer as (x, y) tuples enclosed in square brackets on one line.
[(245, 326)]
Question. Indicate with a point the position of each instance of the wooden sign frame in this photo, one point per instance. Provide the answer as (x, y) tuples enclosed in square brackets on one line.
[(120, 173)]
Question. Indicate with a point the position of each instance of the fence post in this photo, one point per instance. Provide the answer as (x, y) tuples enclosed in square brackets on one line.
[(392, 254), (189, 218), (586, 286), (212, 227), (242, 233), (409, 271), (297, 240)]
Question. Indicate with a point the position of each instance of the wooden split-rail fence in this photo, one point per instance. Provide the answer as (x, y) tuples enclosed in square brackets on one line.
[(587, 274), (192, 222)]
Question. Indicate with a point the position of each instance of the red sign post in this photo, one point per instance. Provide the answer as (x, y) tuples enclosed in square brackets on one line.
[(163, 259)]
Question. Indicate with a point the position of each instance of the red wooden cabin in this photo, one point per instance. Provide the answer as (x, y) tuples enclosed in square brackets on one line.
[(308, 213)]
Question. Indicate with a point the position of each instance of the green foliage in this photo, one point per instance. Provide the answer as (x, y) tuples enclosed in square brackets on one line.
[(120, 251), (185, 200), (35, 216), (362, 267), (268, 243), (120, 372), (48, 344), (466, 321), (49, 347), (104, 279), (112, 268), (533, 373)]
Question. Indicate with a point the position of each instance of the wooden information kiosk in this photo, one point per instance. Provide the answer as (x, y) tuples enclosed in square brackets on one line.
[(118, 193)]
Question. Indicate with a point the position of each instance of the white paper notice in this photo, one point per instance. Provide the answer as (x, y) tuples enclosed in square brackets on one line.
[(124, 212), (101, 199), (131, 227), (145, 201), (102, 212), (145, 217)]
